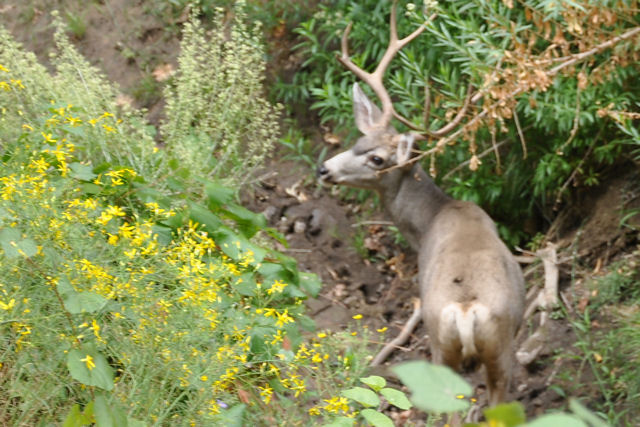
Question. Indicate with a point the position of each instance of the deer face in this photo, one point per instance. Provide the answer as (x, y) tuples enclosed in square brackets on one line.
[(365, 164)]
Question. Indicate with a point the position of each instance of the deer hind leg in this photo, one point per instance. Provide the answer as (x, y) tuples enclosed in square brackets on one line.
[(498, 377)]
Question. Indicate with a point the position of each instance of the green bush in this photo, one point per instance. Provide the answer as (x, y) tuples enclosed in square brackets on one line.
[(497, 47), (218, 122), (133, 290)]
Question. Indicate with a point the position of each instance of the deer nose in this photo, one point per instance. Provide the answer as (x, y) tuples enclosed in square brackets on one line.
[(322, 171)]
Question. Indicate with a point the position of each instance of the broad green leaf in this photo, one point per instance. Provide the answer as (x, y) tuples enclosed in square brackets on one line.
[(311, 283), (218, 194), (509, 414), (90, 188), (28, 248), (375, 382), (555, 420), (245, 285), (108, 414), (205, 217), (340, 422), (82, 172), (306, 323), (100, 374), (585, 414), (396, 398), (434, 388), (376, 418), (249, 223), (83, 302), (9, 239), (77, 418), (362, 395), (232, 417)]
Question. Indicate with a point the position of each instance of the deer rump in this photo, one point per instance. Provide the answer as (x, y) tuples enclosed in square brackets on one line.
[(471, 290)]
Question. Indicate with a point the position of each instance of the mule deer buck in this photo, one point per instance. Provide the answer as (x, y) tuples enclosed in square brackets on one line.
[(471, 287)]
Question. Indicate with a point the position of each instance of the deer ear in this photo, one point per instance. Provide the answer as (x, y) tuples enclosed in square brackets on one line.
[(367, 113), (404, 150)]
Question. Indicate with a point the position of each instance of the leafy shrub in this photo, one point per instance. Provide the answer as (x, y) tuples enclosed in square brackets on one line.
[(551, 137), (133, 292), (219, 123)]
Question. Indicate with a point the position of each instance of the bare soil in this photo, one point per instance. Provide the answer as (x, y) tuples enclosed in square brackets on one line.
[(127, 42)]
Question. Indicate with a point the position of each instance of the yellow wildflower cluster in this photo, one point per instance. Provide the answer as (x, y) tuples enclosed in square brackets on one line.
[(173, 310)]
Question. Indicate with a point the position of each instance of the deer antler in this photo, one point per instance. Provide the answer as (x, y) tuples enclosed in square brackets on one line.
[(374, 79)]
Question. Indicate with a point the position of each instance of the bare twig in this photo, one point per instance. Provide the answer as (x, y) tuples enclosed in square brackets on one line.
[(520, 134), (555, 70), (495, 147), (400, 339)]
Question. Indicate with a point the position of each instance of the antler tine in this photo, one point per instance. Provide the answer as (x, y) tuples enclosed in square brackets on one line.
[(374, 80)]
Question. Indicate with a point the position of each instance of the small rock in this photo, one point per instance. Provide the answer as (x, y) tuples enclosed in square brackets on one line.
[(299, 226), (269, 213)]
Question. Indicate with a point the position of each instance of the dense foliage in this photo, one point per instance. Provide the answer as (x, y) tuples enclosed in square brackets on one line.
[(547, 74), (132, 290)]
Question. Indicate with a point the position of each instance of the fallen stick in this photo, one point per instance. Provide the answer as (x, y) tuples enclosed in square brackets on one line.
[(400, 339)]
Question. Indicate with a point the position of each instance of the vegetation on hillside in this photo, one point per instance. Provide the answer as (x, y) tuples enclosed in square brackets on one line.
[(136, 290)]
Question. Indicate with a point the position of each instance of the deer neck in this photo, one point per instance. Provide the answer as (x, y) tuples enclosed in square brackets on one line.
[(412, 200)]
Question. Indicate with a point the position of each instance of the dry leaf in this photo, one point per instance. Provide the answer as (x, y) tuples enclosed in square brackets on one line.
[(244, 396), (474, 163), (163, 72), (123, 100), (582, 80), (331, 139)]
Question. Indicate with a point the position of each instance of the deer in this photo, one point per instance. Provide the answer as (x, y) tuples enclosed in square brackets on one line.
[(471, 287)]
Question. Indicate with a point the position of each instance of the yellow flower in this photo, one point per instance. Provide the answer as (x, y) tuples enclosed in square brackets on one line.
[(89, 362), (314, 411), (278, 286), (266, 392), (357, 317), (8, 306), (283, 318), (48, 138), (381, 330)]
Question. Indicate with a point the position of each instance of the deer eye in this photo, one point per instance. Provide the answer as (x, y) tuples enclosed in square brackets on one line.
[(376, 160)]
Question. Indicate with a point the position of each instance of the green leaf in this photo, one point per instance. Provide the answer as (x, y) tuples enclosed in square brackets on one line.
[(109, 415), (555, 420), (28, 248), (396, 398), (90, 188), (375, 382), (340, 422), (362, 395), (83, 302), (81, 172), (205, 217), (14, 245), (376, 418), (585, 414), (101, 375), (9, 238), (249, 223), (232, 417), (218, 194), (245, 285), (434, 388), (76, 418), (311, 283), (509, 414)]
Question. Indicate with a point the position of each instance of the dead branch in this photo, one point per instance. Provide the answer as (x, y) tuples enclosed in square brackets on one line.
[(400, 339), (546, 299)]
